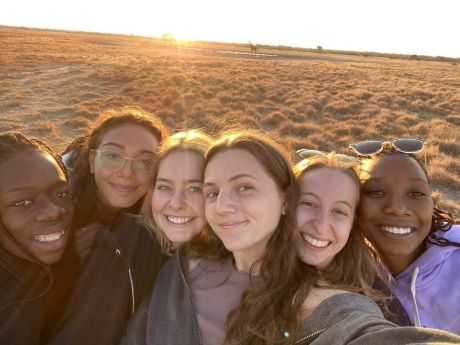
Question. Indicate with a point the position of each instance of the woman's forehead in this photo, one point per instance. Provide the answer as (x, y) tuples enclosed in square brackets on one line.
[(392, 164)]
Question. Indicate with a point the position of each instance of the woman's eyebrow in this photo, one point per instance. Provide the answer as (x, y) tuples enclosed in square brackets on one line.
[(231, 179), (163, 179), (123, 147)]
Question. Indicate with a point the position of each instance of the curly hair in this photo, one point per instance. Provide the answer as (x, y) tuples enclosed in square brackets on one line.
[(84, 188), (12, 144), (268, 309), (193, 140)]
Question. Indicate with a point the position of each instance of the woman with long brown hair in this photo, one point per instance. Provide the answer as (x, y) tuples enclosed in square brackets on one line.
[(242, 282)]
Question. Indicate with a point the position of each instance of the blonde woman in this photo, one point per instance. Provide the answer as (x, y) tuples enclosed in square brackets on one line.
[(327, 237)]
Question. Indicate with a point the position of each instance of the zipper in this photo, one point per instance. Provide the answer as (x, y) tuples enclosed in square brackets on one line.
[(131, 281), (190, 295), (311, 336)]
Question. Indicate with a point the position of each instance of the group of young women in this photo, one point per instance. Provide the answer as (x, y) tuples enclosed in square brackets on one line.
[(150, 238)]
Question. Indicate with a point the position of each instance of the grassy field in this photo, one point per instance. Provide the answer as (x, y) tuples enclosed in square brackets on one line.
[(53, 85)]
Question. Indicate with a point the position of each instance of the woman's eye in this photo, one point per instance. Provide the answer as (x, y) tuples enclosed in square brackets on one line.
[(307, 203), (244, 188), (211, 195), (340, 212), (162, 188), (22, 203), (195, 189), (416, 194), (63, 194), (375, 193)]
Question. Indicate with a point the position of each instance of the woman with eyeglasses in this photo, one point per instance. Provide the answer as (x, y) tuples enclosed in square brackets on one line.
[(327, 237), (46, 295), (242, 282), (418, 243), (111, 169)]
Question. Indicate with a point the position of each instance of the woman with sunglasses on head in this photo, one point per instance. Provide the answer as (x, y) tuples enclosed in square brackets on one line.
[(46, 296), (419, 244), (327, 237), (241, 283), (111, 170), (173, 210)]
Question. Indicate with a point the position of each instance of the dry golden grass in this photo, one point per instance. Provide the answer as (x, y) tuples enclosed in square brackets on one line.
[(53, 84)]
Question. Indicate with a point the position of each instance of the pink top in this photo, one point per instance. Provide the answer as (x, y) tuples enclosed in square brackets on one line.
[(216, 288)]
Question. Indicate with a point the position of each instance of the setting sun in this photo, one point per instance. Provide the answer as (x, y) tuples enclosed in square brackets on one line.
[(424, 27)]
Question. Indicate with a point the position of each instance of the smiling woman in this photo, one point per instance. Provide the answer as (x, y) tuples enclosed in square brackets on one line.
[(111, 169), (418, 243), (36, 209), (174, 207), (35, 219), (44, 289)]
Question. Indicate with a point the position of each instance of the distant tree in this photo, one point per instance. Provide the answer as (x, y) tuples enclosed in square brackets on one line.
[(168, 37), (319, 48)]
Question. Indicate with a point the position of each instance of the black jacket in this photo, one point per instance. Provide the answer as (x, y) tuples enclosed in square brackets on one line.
[(119, 272)]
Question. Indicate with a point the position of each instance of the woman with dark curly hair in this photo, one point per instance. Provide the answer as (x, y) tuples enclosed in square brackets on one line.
[(418, 243), (111, 169)]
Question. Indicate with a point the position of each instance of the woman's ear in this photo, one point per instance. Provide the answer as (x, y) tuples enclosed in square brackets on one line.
[(284, 206)]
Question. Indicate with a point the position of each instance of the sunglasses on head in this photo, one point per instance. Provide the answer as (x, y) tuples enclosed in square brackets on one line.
[(373, 147), (306, 153)]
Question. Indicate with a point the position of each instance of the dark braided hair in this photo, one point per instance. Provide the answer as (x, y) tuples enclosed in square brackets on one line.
[(11, 144), (84, 189)]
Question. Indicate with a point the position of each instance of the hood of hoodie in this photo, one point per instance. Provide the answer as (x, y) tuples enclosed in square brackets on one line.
[(431, 260)]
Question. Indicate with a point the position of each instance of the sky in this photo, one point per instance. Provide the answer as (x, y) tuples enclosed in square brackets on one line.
[(422, 27)]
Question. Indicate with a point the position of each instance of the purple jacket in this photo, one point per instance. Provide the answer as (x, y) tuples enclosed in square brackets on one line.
[(435, 276)]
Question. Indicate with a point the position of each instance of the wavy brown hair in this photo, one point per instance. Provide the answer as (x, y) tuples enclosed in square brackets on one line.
[(193, 140), (84, 188), (268, 309), (354, 267)]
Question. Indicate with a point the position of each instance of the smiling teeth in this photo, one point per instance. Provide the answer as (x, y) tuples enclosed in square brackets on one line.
[(396, 230), (314, 242), (49, 238), (179, 220)]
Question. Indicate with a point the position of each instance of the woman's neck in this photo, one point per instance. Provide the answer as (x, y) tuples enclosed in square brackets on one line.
[(398, 263), (105, 214), (244, 263)]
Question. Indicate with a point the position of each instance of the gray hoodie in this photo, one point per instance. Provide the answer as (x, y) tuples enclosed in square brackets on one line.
[(354, 319), (169, 318)]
